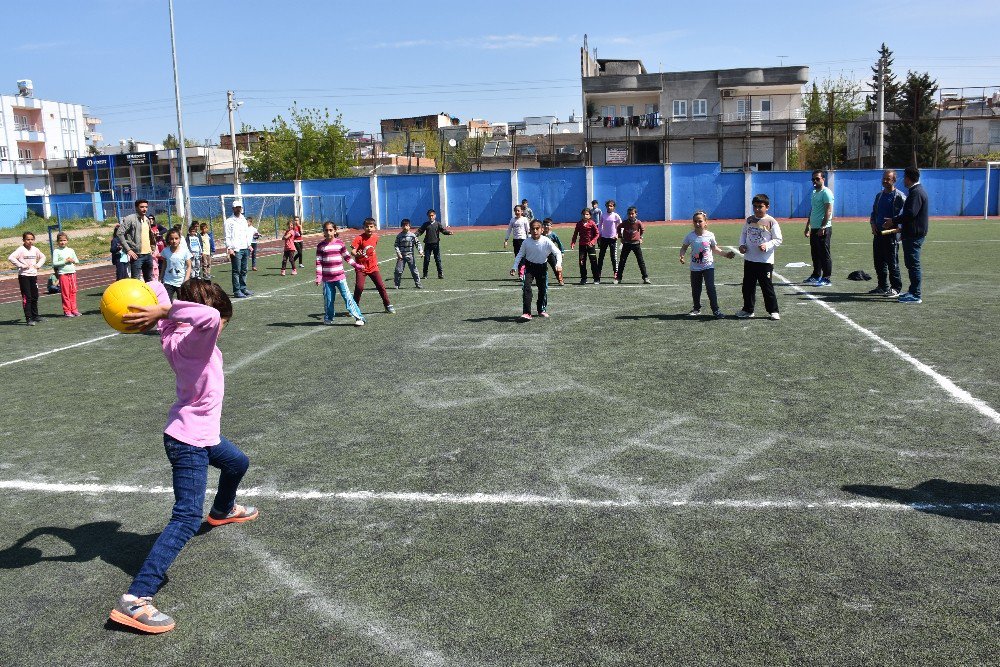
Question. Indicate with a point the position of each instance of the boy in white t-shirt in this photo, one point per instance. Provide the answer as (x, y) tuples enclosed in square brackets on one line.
[(702, 243), (760, 236)]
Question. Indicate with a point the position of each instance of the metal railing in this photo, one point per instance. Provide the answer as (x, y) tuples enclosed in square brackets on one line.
[(27, 127)]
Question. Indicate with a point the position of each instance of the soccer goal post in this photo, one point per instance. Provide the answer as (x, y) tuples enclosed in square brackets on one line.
[(270, 213), (990, 166)]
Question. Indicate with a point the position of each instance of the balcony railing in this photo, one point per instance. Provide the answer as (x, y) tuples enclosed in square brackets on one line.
[(759, 116), (27, 127)]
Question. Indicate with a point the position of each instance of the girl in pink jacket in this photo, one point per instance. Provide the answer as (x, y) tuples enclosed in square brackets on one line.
[(189, 328)]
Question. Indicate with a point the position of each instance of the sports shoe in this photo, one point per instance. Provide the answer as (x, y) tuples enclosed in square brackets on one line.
[(526, 317), (418, 286), (811, 280), (440, 276), (395, 287), (282, 272), (614, 281), (743, 315), (294, 272), (77, 313), (238, 514), (892, 293), (239, 295), (823, 282), (774, 316), (327, 321), (583, 281), (719, 315), (253, 268), (879, 291), (32, 323), (247, 292), (139, 613), (389, 309), (647, 281), (597, 282), (359, 322), (695, 312), (909, 298), (543, 314), (903, 294)]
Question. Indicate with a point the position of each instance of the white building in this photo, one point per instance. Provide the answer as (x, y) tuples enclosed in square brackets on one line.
[(33, 131)]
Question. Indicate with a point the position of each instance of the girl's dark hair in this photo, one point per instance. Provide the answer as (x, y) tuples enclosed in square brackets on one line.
[(585, 211), (173, 231), (24, 236), (209, 294), (62, 235)]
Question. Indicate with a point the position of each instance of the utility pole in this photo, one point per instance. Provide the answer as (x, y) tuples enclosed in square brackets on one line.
[(231, 105), (832, 128), (880, 110), (409, 152), (185, 189)]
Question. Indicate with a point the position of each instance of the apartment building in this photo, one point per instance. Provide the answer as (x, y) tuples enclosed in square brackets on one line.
[(394, 128), (34, 131), (744, 118)]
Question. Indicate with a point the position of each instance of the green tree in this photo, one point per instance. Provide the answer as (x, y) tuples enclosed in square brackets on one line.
[(171, 142), (830, 107), (891, 85), (913, 138), (309, 144), (430, 139)]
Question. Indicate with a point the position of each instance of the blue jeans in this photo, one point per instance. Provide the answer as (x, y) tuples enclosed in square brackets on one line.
[(708, 275), (142, 267), (406, 261), (330, 293), (190, 477), (239, 263), (911, 257)]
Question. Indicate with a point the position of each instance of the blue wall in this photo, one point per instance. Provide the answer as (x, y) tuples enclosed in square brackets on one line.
[(346, 198), (407, 197), (559, 194), (704, 186), (641, 186), (13, 205), (479, 198), (788, 191)]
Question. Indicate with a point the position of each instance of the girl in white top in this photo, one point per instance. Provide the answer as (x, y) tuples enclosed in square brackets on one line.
[(519, 226), (176, 264), (28, 259), (64, 261), (702, 243)]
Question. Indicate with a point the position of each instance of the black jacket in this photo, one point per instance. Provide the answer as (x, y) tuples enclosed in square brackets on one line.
[(432, 229), (914, 219)]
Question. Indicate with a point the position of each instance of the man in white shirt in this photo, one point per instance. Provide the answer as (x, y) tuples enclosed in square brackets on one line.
[(534, 255), (238, 239)]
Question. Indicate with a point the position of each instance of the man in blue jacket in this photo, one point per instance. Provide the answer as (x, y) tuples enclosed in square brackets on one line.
[(912, 222), (885, 248)]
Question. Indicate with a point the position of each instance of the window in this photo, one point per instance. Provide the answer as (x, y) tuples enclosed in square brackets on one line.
[(765, 105), (628, 110), (24, 153), (3, 152), (68, 124), (741, 109), (21, 122), (608, 111), (419, 124), (652, 108), (995, 132), (866, 138), (699, 109), (71, 154), (964, 135), (397, 125), (680, 108)]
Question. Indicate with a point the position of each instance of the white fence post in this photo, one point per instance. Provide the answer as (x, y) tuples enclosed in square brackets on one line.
[(373, 193), (668, 213), (443, 194), (747, 193)]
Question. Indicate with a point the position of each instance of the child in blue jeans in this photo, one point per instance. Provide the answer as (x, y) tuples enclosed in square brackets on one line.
[(189, 329)]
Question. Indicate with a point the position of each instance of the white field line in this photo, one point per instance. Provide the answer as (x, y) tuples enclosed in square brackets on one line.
[(58, 349), (503, 499), (339, 614), (956, 392)]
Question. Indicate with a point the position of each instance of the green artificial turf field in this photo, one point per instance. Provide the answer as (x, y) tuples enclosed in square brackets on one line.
[(617, 485)]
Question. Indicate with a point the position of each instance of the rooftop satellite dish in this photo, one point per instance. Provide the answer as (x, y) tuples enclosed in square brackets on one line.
[(452, 143), (25, 88)]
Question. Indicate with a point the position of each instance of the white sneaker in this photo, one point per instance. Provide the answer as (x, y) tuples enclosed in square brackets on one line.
[(774, 316)]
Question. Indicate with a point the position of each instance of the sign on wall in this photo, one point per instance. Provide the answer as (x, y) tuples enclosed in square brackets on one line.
[(102, 161), (615, 155), (139, 159)]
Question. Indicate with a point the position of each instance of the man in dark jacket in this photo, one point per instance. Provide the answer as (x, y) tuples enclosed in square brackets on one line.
[(885, 247), (912, 222), (136, 236)]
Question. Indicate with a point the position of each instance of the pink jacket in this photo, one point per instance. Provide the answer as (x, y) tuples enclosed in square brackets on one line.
[(188, 335)]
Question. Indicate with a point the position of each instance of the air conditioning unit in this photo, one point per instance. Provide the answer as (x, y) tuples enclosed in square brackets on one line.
[(728, 92)]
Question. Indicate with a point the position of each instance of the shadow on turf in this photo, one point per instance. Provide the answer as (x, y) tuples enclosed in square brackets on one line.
[(672, 316), (970, 502), (317, 322), (504, 319), (90, 541)]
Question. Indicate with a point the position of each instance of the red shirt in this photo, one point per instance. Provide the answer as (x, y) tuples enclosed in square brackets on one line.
[(587, 231), (364, 252)]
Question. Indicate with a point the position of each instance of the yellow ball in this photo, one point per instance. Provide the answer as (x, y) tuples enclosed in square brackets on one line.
[(119, 296)]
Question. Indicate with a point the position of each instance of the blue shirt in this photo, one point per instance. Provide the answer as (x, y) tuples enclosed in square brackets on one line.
[(885, 206)]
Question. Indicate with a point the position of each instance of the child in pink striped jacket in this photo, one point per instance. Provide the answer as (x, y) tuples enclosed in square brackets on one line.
[(331, 253)]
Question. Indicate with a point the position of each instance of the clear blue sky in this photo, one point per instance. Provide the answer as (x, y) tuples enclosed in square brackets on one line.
[(500, 61)]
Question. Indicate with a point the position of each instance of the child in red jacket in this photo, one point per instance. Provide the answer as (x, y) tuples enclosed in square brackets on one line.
[(587, 232), (364, 253)]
